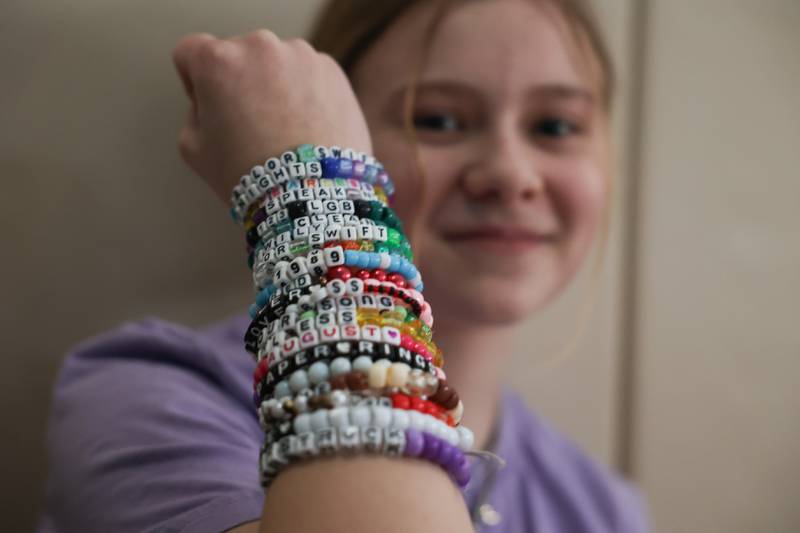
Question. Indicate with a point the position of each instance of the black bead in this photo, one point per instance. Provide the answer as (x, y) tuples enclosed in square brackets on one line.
[(297, 209)]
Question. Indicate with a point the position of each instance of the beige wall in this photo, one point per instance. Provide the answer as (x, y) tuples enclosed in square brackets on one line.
[(687, 374)]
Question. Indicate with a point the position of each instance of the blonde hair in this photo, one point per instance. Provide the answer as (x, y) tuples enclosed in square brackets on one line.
[(345, 29)]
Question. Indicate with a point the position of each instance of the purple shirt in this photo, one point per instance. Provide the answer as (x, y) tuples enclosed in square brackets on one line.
[(153, 429)]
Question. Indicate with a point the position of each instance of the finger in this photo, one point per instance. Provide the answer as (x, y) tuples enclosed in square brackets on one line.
[(184, 57)]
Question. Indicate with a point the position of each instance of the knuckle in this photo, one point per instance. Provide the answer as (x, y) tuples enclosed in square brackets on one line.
[(217, 52)]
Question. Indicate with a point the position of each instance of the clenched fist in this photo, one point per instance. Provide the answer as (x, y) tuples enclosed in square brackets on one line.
[(255, 96)]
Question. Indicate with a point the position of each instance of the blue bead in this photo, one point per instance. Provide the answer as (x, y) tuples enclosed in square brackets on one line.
[(349, 256), (345, 168), (330, 167), (370, 173), (364, 260), (374, 260), (394, 266), (420, 286), (253, 310), (262, 298), (234, 216)]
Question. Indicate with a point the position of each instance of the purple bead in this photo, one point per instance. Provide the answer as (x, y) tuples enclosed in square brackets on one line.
[(358, 169), (414, 443), (446, 454), (346, 168), (432, 446), (330, 167), (260, 216), (382, 178), (462, 475)]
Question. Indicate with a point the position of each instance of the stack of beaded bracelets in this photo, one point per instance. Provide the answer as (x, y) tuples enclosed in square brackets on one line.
[(341, 333)]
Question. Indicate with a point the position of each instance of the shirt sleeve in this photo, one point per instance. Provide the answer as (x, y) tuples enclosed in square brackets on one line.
[(146, 435)]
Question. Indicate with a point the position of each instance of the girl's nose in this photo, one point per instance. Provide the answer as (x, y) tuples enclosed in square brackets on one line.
[(505, 171)]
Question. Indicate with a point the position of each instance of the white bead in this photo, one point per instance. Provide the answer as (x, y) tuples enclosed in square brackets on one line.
[(400, 419), (431, 424), (360, 416), (457, 412), (398, 374), (381, 416), (416, 420), (451, 435), (386, 260), (272, 163), (302, 423), (320, 420), (338, 397), (340, 417), (362, 363), (465, 438), (377, 374), (299, 380), (355, 286)]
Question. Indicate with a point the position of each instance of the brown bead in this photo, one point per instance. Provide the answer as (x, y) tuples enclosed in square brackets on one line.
[(451, 401), (357, 381), (441, 393), (338, 382)]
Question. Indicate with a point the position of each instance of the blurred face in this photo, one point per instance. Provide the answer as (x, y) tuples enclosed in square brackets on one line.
[(510, 140)]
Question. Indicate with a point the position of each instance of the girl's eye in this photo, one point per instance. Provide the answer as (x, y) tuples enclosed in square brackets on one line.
[(555, 128), (437, 122)]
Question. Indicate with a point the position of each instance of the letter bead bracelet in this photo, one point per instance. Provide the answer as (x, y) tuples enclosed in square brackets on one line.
[(341, 334)]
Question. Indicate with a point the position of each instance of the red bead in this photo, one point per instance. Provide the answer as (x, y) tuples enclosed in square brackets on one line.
[(331, 244), (406, 342), (428, 408), (418, 404), (351, 245), (400, 401), (379, 274), (339, 272), (397, 279), (363, 274)]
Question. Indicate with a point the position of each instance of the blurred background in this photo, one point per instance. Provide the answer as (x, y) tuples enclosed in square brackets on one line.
[(688, 378)]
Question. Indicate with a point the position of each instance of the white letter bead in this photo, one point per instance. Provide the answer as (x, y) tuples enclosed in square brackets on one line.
[(297, 170), (355, 286), (288, 157), (380, 233), (349, 233), (364, 232), (321, 152), (390, 335), (315, 207), (334, 256), (336, 288), (298, 267), (371, 332), (272, 163), (332, 232), (313, 169)]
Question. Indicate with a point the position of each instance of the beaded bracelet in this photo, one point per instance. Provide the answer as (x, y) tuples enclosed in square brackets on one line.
[(307, 161), (293, 369), (350, 439), (284, 409), (364, 415), (366, 373)]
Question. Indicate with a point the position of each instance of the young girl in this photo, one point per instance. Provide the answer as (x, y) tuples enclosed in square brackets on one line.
[(492, 119)]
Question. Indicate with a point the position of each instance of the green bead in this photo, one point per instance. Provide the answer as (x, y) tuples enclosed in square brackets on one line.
[(394, 237), (381, 248), (299, 249), (339, 182), (401, 311), (305, 152), (308, 314)]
